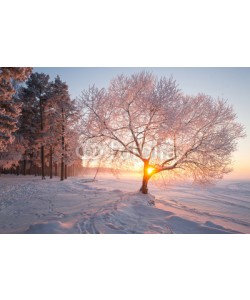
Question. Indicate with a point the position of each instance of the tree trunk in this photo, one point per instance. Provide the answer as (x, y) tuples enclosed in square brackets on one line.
[(24, 167), (50, 163), (55, 169), (144, 187), (31, 168), (42, 147), (42, 162), (97, 170), (66, 174), (17, 170), (62, 168), (63, 147), (31, 164)]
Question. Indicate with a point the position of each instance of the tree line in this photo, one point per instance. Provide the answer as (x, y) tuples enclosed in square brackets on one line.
[(38, 125)]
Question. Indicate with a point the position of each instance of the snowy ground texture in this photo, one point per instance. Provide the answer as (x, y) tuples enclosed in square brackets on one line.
[(78, 205)]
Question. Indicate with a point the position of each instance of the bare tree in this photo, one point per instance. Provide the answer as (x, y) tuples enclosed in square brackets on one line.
[(151, 121)]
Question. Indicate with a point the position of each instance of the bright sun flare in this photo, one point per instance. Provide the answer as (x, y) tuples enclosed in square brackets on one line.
[(150, 170)]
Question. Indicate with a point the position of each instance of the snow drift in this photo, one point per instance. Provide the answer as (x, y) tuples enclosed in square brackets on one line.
[(78, 205)]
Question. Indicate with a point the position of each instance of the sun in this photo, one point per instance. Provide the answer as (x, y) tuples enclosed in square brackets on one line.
[(150, 170)]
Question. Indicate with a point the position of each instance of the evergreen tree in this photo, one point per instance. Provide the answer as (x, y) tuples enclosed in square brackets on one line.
[(10, 109), (10, 157), (64, 112), (34, 125)]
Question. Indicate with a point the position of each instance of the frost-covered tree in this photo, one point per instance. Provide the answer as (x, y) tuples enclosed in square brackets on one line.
[(65, 114), (142, 119), (10, 109), (34, 125), (10, 157)]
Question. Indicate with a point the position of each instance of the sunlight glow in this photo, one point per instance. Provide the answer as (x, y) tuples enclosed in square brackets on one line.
[(150, 170)]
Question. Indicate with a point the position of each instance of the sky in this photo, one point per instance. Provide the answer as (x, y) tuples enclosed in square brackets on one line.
[(232, 84)]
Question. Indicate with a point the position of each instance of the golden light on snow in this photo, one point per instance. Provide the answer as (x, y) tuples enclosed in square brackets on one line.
[(150, 170)]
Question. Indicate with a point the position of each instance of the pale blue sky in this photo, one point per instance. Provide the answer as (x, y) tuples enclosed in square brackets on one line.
[(232, 84)]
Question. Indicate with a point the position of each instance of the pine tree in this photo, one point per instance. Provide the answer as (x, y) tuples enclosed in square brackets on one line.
[(10, 109), (10, 157), (64, 113), (34, 125)]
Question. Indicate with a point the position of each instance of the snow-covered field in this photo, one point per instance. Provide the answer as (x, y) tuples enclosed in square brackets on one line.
[(109, 205)]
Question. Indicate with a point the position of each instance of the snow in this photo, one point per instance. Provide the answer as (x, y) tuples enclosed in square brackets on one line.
[(110, 205)]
